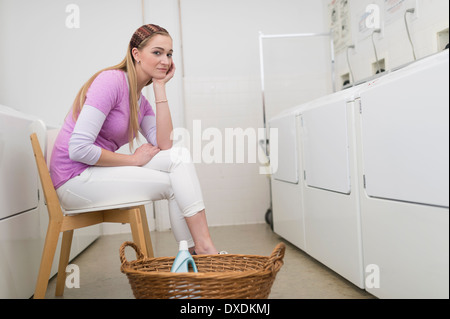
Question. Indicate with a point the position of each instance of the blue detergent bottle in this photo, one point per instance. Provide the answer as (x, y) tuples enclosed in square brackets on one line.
[(183, 259)]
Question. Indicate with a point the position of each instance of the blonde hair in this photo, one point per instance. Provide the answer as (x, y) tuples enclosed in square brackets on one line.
[(127, 65)]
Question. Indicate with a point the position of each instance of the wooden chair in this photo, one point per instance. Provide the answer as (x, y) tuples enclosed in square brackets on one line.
[(60, 221)]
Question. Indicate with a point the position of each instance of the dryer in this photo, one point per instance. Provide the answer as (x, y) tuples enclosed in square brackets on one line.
[(330, 192), (403, 156)]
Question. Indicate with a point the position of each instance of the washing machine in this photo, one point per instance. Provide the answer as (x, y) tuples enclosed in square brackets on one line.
[(20, 235), (314, 191), (23, 214), (286, 188), (402, 129), (330, 184)]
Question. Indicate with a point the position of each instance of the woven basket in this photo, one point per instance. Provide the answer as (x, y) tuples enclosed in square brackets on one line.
[(218, 277)]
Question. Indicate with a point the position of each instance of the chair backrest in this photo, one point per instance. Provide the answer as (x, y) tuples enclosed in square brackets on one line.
[(51, 198), (52, 134)]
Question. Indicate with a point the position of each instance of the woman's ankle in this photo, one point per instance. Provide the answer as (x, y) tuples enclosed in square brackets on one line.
[(205, 249)]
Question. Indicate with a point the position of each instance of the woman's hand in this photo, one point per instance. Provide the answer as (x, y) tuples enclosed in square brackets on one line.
[(144, 154), (167, 78)]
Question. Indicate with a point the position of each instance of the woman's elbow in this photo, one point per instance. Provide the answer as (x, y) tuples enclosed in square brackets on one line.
[(85, 155), (74, 153), (167, 145)]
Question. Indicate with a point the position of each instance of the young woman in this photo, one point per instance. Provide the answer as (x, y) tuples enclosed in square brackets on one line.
[(108, 112)]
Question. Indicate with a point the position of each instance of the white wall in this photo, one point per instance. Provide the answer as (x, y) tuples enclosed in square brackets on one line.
[(393, 45), (223, 90), (44, 63), (166, 14)]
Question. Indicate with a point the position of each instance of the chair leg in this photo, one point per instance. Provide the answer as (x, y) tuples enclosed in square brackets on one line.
[(137, 230), (146, 231), (63, 262), (51, 242)]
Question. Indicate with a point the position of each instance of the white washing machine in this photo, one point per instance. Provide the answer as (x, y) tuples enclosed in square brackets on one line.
[(403, 156), (287, 190), (23, 214), (331, 199), (314, 192), (20, 235), (363, 181)]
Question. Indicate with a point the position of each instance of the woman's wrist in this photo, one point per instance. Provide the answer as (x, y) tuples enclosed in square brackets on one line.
[(160, 93), (134, 160), (159, 85)]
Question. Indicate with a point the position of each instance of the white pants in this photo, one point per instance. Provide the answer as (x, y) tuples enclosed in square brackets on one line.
[(166, 176)]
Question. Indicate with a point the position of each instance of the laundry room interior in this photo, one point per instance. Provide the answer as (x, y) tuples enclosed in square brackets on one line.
[(319, 124)]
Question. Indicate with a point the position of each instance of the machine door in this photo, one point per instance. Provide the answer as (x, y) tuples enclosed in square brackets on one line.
[(325, 143), (405, 134), (287, 158)]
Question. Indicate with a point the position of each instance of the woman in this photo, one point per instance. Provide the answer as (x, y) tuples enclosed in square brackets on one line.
[(107, 113)]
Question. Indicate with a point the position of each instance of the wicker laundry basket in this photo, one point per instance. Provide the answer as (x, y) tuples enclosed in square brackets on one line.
[(218, 277)]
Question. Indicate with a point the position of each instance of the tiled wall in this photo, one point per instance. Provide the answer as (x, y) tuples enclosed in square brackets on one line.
[(234, 193), (222, 86)]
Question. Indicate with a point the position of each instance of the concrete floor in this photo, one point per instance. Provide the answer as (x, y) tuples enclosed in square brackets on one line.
[(301, 276)]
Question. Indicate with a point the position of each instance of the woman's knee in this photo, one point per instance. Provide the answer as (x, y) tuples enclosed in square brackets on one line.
[(178, 155)]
